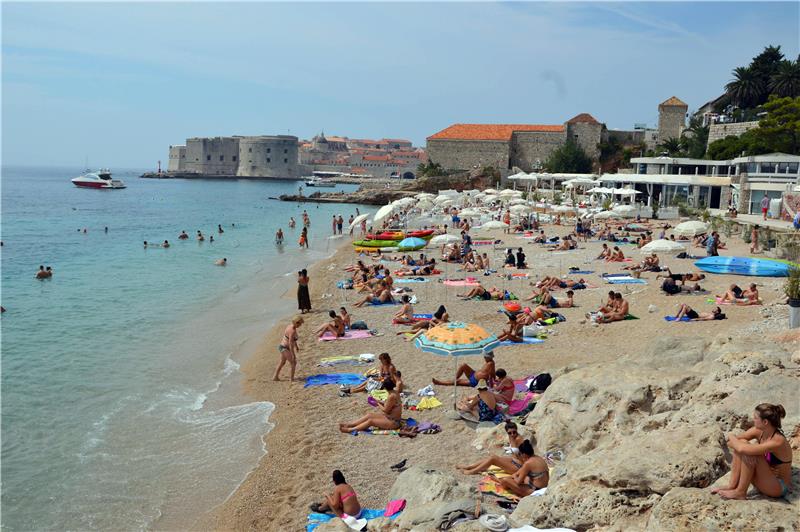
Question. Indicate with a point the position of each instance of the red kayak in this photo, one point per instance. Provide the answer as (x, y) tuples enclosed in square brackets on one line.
[(420, 234)]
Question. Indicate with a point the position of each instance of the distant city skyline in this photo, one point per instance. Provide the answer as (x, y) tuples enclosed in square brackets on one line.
[(119, 83)]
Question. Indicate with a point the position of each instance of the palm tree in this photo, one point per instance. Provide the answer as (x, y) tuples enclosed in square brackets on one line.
[(786, 80), (672, 146), (746, 88)]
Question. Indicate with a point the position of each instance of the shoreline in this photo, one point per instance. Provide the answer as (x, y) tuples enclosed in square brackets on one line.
[(304, 444)]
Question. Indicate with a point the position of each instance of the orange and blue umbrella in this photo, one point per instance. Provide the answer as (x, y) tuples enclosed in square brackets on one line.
[(457, 339)]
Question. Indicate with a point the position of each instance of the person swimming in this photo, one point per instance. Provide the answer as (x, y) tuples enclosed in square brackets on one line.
[(222, 262)]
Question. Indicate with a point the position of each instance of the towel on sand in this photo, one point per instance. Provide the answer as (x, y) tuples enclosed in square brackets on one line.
[(518, 405), (673, 318), (350, 379), (345, 360), (491, 485), (349, 335), (316, 519), (625, 280), (412, 280), (416, 318), (460, 282), (525, 340)]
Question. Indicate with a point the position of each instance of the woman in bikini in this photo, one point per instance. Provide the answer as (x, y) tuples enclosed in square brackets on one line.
[(509, 464), (531, 476), (440, 316), (406, 313), (767, 464), (389, 418), (342, 501), (387, 372), (288, 349)]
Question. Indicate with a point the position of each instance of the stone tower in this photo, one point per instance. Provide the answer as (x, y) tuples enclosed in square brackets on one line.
[(671, 119)]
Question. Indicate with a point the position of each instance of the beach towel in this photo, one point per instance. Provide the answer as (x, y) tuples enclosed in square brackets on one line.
[(581, 272), (414, 318), (625, 280), (615, 275), (351, 379), (394, 507), (346, 360), (403, 274), (411, 280), (492, 486), (460, 282), (428, 403), (349, 335), (315, 519), (673, 318), (525, 340), (378, 304), (518, 405)]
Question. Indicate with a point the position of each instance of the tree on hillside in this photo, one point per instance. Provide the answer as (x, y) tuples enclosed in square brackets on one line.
[(766, 64), (786, 79), (746, 89), (430, 169), (569, 158), (694, 138), (780, 129), (673, 147)]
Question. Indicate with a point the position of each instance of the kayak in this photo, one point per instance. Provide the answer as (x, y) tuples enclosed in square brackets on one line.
[(422, 233), (387, 235), (744, 266), (359, 249), (375, 243)]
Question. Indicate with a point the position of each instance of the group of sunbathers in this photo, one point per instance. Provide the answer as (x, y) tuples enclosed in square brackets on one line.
[(614, 309), (389, 417), (611, 255), (737, 296)]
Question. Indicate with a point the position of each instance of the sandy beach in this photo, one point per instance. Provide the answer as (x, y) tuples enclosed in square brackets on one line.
[(305, 445)]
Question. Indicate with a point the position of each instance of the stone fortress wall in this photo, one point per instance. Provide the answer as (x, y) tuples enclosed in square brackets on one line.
[(720, 131), (268, 156), (466, 154), (671, 119), (532, 148), (259, 156)]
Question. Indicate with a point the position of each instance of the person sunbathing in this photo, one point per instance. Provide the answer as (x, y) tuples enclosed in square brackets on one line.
[(416, 270), (616, 255), (670, 287), (387, 371), (419, 327), (382, 295), (486, 405), (388, 418), (566, 244), (481, 292), (471, 266), (568, 302), (532, 475), (682, 277), (605, 253), (732, 295), (358, 266), (750, 296), (616, 312), (552, 283), (342, 501), (406, 313), (512, 333), (335, 326), (689, 312), (509, 464), (472, 377), (541, 238), (648, 264), (767, 464)]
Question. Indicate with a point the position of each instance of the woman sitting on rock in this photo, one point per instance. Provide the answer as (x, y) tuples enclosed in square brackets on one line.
[(509, 464), (531, 476), (767, 464)]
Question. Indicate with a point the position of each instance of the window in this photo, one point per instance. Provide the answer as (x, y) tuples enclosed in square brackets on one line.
[(221, 157), (269, 160), (249, 150), (792, 168), (234, 158), (285, 151), (286, 160), (767, 168), (208, 157), (752, 168), (269, 150)]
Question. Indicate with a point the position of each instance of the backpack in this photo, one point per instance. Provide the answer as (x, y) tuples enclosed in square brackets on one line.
[(540, 382)]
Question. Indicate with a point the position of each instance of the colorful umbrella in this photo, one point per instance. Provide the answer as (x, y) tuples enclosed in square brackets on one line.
[(457, 339), (411, 243)]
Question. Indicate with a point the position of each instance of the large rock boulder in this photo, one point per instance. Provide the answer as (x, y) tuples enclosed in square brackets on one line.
[(694, 509), (419, 485)]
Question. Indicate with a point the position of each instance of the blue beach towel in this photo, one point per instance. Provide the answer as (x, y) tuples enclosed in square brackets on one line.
[(615, 275), (316, 519), (386, 303), (625, 280), (581, 272), (351, 379), (673, 318), (412, 280), (525, 340), (423, 316)]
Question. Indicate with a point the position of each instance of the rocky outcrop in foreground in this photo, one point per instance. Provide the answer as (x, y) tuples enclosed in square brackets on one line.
[(643, 438)]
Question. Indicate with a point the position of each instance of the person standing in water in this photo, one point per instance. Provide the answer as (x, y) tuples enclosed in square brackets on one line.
[(339, 224), (303, 295), (279, 236), (219, 229), (292, 223), (288, 349)]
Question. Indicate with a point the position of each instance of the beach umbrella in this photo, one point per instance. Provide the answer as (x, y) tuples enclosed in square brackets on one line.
[(470, 212), (508, 193), (690, 228), (518, 201), (456, 339), (357, 220), (519, 208), (490, 191), (607, 214), (440, 240), (403, 202), (411, 243), (383, 213), (494, 224), (663, 246), (488, 198), (424, 203)]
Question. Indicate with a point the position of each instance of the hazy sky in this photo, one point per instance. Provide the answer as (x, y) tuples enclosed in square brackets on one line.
[(119, 83)]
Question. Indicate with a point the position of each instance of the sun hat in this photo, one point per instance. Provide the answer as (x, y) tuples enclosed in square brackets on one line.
[(482, 385), (355, 524), (494, 522)]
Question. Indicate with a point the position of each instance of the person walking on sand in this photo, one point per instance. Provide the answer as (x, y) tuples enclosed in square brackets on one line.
[(764, 206), (288, 349), (754, 240), (303, 296)]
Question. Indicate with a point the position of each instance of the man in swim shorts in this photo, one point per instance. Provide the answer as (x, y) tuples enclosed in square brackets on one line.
[(486, 372)]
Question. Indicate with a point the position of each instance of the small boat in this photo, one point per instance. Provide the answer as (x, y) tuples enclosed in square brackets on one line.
[(99, 179), (317, 182)]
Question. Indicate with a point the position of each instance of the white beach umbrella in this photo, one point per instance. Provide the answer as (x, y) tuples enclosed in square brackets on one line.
[(508, 193), (606, 214), (442, 198), (690, 228), (663, 246), (489, 198), (439, 240), (357, 220), (494, 224), (383, 213), (518, 201), (470, 212), (519, 208), (425, 204), (490, 191)]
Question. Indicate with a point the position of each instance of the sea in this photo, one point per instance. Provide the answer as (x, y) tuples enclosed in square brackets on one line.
[(121, 392)]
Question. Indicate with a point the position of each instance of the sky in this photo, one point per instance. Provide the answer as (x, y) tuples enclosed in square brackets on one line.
[(118, 83)]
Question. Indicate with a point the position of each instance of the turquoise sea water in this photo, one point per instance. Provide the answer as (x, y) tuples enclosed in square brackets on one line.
[(121, 406)]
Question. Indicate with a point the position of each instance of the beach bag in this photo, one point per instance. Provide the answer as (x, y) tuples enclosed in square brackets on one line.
[(531, 331), (359, 326), (540, 382)]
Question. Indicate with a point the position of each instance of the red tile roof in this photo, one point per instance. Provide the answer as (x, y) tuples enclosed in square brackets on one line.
[(673, 101), (585, 118), (489, 131), (376, 157)]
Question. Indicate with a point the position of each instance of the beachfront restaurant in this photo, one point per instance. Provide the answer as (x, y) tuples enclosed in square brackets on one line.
[(774, 174)]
